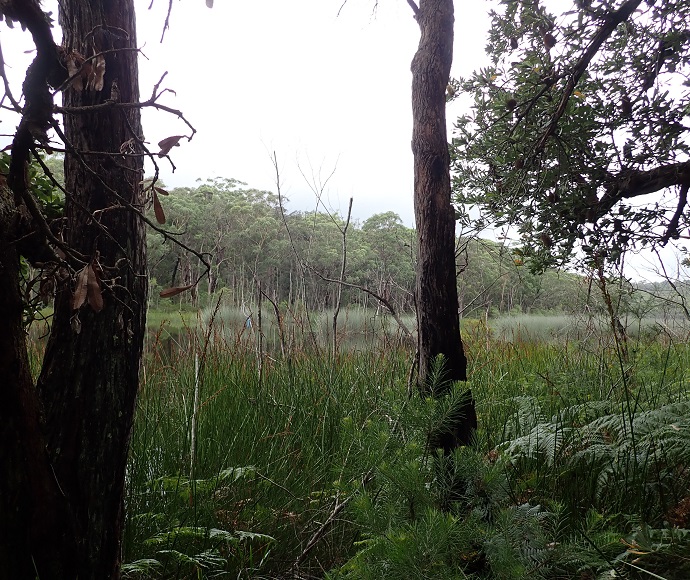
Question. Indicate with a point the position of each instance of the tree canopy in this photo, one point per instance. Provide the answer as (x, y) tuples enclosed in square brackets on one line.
[(578, 136)]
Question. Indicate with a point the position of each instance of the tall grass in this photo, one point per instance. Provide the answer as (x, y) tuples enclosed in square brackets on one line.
[(318, 464), (273, 457)]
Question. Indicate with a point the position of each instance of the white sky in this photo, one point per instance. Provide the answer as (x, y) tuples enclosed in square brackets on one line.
[(322, 90)]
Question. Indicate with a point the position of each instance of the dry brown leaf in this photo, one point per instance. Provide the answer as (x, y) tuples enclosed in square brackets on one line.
[(168, 143), (80, 290), (161, 191), (93, 290), (129, 146), (158, 209), (77, 69), (174, 291), (95, 82)]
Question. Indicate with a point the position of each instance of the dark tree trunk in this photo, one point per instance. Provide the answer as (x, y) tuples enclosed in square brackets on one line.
[(436, 294), (34, 523), (90, 374), (64, 444)]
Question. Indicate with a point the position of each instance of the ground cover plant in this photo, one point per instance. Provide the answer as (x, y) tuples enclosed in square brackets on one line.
[(309, 464)]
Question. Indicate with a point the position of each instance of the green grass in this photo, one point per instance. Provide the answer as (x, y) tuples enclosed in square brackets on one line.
[(580, 467), (273, 455)]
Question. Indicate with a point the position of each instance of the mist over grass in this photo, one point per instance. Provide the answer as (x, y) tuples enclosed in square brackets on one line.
[(569, 327)]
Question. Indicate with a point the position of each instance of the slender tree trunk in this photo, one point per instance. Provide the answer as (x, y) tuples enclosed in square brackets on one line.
[(437, 296), (341, 279), (90, 374)]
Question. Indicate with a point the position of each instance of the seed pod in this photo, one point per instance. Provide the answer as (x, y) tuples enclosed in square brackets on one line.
[(549, 40)]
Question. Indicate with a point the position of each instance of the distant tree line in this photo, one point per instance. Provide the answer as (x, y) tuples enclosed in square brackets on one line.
[(250, 240)]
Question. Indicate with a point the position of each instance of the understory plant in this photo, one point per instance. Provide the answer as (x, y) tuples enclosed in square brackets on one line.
[(559, 483)]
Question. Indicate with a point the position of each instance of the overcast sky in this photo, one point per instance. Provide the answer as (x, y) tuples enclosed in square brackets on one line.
[(326, 89)]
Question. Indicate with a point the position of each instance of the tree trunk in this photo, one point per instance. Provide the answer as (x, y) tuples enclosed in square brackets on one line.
[(437, 296), (34, 524), (90, 375)]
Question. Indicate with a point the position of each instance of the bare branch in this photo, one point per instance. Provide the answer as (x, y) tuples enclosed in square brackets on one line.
[(672, 229), (631, 183), (343, 265), (8, 92), (139, 105), (166, 24), (167, 235), (387, 305), (414, 7)]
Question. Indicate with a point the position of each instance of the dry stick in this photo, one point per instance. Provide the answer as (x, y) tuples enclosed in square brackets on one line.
[(340, 506), (343, 264), (195, 412), (259, 335), (116, 105), (166, 25), (199, 365), (302, 265), (371, 293), (318, 192), (318, 534), (8, 92), (279, 320)]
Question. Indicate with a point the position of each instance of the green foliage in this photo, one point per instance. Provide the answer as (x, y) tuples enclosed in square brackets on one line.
[(293, 432), (37, 290), (562, 481), (563, 144), (248, 241), (579, 468), (43, 188), (495, 279)]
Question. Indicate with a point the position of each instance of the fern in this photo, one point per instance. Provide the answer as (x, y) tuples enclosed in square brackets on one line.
[(611, 454), (143, 568)]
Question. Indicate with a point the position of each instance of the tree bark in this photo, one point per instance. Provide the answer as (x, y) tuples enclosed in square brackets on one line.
[(33, 515), (90, 375), (64, 443), (437, 296)]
